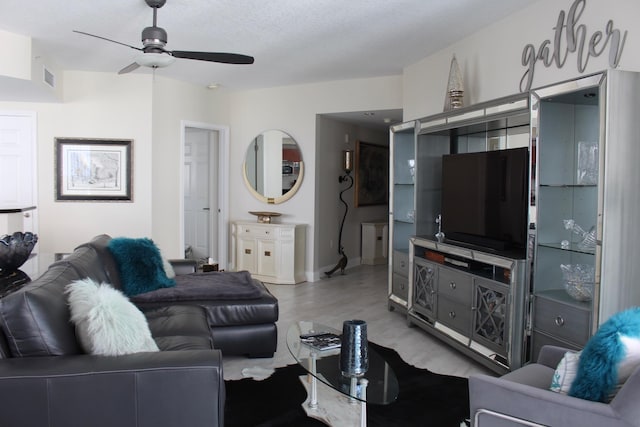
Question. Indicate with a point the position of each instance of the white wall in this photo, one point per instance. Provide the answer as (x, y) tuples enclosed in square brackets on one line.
[(15, 60), (293, 109), (173, 102), (96, 105), (491, 59)]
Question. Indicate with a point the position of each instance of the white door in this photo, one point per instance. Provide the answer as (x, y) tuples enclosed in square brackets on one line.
[(200, 193), (204, 220), (17, 159)]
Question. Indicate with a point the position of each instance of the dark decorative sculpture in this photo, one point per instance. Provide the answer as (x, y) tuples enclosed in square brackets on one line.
[(15, 250), (347, 164)]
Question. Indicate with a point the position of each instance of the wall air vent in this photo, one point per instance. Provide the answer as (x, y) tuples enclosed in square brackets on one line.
[(49, 78)]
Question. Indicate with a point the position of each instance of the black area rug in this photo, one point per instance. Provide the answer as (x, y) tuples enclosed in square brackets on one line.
[(425, 399)]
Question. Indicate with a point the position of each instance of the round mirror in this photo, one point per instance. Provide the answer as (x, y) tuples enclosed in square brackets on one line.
[(273, 167)]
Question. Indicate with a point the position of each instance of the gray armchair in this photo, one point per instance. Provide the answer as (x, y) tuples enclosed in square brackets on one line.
[(523, 398)]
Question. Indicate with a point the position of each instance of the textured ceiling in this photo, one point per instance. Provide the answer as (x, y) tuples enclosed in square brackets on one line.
[(293, 41)]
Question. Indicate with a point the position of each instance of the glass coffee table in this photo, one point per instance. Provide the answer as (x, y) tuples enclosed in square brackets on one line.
[(378, 385)]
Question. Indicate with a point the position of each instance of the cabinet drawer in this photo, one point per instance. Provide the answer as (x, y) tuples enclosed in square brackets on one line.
[(454, 315), (561, 320), (259, 231), (401, 263), (400, 286), (455, 285)]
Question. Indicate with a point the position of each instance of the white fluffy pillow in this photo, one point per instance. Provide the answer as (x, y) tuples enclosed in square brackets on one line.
[(565, 372), (107, 323), (168, 268)]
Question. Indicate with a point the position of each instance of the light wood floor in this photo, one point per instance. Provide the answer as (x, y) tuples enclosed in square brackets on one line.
[(359, 294)]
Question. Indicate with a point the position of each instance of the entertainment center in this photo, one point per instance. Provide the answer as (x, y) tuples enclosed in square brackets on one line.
[(511, 228), (472, 299)]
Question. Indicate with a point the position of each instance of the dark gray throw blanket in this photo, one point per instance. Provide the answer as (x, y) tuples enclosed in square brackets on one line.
[(206, 286)]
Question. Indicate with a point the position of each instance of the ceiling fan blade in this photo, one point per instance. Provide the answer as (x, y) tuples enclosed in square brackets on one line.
[(225, 58), (104, 38), (129, 68)]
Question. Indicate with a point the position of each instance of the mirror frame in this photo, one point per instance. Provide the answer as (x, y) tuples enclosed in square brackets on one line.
[(279, 199)]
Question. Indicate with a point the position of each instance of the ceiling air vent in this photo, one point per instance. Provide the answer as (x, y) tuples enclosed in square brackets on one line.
[(49, 78)]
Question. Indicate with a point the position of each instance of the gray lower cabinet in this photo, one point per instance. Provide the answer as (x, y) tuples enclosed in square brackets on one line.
[(399, 292), (559, 321), (470, 299)]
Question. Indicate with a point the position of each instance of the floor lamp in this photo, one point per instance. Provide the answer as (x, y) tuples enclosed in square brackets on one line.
[(347, 165)]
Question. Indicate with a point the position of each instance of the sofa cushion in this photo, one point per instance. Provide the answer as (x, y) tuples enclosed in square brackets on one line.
[(254, 307), (201, 286), (107, 323), (35, 318), (100, 244), (533, 374), (87, 263), (609, 357), (140, 265), (180, 327)]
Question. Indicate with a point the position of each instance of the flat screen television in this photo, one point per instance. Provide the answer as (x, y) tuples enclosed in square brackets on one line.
[(484, 198)]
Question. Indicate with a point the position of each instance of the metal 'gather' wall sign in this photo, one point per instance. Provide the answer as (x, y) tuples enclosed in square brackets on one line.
[(572, 37)]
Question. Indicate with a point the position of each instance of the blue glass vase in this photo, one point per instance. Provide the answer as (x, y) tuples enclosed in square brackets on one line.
[(354, 352)]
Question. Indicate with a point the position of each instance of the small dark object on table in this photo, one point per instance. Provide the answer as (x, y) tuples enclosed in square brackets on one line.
[(209, 267)]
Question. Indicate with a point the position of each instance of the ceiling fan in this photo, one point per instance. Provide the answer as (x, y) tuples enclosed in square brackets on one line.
[(154, 54)]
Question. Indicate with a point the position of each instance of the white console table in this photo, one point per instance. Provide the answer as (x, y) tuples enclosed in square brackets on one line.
[(273, 253), (374, 246)]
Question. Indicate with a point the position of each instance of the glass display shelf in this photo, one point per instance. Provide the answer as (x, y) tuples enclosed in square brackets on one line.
[(573, 247), (404, 221), (568, 185), (562, 296)]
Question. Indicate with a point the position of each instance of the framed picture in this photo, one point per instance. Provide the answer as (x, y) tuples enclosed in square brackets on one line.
[(372, 174), (93, 169)]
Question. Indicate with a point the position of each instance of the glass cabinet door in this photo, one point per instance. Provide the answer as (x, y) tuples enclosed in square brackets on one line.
[(566, 159), (402, 169)]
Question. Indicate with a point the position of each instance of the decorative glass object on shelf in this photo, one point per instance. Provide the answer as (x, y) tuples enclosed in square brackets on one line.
[(578, 280), (412, 169), (588, 242), (439, 235), (455, 87), (587, 163)]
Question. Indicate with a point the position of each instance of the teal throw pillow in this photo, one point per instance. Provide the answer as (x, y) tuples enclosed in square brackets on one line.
[(140, 265), (609, 357)]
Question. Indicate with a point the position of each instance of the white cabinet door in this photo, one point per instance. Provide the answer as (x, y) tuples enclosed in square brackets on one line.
[(17, 159)]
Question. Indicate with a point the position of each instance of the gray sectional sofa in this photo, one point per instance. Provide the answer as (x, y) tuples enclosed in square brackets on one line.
[(46, 379)]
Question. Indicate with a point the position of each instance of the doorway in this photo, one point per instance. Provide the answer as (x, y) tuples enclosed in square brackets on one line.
[(18, 171), (204, 192)]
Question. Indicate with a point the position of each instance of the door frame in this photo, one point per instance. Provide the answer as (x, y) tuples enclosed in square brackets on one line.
[(223, 187), (33, 117)]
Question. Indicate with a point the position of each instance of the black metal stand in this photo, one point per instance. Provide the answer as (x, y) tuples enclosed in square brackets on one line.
[(342, 262)]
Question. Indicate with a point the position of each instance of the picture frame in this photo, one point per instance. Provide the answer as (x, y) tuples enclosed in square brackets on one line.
[(93, 169), (371, 174)]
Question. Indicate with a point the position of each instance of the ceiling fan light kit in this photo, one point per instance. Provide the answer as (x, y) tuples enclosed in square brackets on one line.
[(155, 60), (154, 55)]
